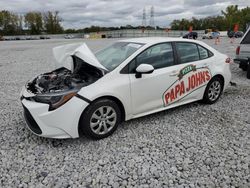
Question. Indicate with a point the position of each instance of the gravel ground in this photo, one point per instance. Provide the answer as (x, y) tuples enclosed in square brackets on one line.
[(194, 145)]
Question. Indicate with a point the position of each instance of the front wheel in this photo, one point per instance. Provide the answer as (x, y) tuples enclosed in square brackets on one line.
[(213, 90), (100, 119)]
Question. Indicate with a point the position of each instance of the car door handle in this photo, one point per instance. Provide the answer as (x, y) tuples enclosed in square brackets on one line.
[(174, 73)]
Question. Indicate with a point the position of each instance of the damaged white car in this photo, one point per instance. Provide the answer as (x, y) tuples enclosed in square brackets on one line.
[(93, 93)]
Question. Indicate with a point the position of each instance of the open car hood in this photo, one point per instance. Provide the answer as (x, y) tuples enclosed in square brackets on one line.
[(63, 55)]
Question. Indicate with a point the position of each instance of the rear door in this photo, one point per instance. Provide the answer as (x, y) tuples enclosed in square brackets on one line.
[(192, 74)]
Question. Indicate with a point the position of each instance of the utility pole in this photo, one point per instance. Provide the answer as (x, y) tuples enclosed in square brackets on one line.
[(144, 22), (151, 21)]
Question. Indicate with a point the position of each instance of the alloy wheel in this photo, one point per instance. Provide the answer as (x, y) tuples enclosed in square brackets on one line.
[(214, 90), (103, 120)]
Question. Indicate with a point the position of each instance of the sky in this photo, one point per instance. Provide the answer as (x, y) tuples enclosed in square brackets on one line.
[(84, 13)]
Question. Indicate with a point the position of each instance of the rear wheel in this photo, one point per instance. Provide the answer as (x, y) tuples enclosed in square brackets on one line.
[(248, 71), (243, 66), (100, 119), (213, 90)]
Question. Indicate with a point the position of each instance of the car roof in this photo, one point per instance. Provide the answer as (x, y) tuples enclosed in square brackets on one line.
[(155, 40), (148, 41)]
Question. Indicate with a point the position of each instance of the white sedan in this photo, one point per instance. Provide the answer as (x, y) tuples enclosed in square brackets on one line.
[(93, 93)]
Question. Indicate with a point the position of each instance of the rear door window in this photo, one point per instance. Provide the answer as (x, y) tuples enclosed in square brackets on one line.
[(203, 52), (187, 52)]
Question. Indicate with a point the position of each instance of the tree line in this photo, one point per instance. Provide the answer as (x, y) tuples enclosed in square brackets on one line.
[(35, 22), (99, 29), (226, 21), (50, 22)]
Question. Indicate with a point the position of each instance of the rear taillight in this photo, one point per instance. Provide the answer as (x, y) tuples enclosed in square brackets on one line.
[(228, 60), (238, 50)]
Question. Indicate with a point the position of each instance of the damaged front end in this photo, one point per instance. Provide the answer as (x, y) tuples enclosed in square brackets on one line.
[(57, 87)]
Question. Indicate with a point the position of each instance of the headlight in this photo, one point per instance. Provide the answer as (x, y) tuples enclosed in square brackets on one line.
[(55, 100)]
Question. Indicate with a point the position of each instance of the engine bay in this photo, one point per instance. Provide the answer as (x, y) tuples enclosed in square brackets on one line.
[(63, 79)]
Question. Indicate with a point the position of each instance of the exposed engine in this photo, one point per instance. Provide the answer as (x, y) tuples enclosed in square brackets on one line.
[(63, 79)]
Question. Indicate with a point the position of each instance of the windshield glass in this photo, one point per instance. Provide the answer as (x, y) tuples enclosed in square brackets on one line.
[(115, 54)]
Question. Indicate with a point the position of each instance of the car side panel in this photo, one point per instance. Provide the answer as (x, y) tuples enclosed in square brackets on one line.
[(244, 51), (219, 67), (111, 85), (117, 85), (147, 91), (244, 47)]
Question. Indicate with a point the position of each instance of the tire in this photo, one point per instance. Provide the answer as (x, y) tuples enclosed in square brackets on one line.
[(101, 114), (248, 71), (243, 66), (213, 91)]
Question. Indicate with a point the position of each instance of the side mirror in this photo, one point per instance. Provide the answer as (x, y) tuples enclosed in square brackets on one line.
[(144, 69)]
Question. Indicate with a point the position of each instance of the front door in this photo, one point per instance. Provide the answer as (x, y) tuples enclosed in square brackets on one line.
[(147, 91)]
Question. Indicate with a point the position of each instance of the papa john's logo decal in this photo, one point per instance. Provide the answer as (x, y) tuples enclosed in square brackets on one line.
[(188, 80)]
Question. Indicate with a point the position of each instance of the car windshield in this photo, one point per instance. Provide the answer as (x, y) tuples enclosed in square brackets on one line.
[(114, 55)]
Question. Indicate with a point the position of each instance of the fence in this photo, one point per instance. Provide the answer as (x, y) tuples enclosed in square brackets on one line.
[(43, 36), (131, 33), (126, 33)]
